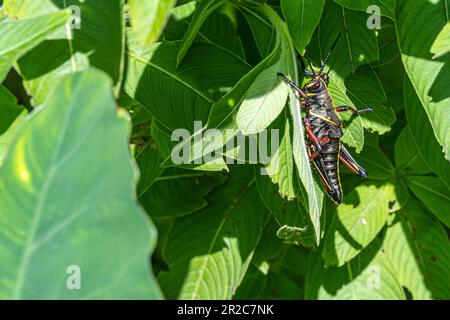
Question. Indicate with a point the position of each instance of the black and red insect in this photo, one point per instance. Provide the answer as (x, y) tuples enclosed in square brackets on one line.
[(324, 129)]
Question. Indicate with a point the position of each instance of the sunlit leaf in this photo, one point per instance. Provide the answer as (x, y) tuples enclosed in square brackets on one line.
[(77, 206)]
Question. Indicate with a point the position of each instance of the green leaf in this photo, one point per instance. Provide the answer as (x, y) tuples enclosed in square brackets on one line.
[(209, 252), (387, 7), (387, 41), (263, 31), (302, 17), (441, 45), (365, 90), (376, 163), (149, 162), (422, 133), (188, 188), (416, 33), (30, 32), (294, 223), (357, 46), (203, 10), (357, 222), (370, 276), (99, 41), (148, 19), (434, 194), (9, 110), (178, 97), (281, 166), (419, 250), (8, 136), (264, 101), (408, 156), (77, 196), (312, 196)]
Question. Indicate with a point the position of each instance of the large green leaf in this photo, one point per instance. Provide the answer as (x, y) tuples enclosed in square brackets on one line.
[(408, 156), (418, 24), (188, 188), (387, 7), (178, 97), (30, 32), (422, 134), (312, 197), (357, 222), (365, 90), (434, 194), (441, 45), (66, 202), (302, 17), (294, 224), (370, 276), (418, 248), (209, 251), (8, 136), (98, 41), (148, 19), (264, 101), (376, 163), (203, 10)]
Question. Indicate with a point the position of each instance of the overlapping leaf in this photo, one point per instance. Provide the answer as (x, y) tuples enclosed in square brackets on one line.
[(418, 25), (357, 222), (419, 251), (30, 32), (210, 251), (90, 39), (369, 276)]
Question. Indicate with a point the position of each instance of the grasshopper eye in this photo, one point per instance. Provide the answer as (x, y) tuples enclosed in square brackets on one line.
[(316, 86)]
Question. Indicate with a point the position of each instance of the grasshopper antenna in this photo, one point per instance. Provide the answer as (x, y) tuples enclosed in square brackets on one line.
[(311, 66), (329, 54)]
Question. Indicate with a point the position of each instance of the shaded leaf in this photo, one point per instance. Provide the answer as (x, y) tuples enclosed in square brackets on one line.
[(302, 17), (357, 222), (264, 101), (370, 276), (419, 251), (408, 156), (30, 32), (423, 136), (9, 110), (434, 194), (188, 188)]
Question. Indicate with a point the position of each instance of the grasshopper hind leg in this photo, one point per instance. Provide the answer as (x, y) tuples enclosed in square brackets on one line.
[(346, 158)]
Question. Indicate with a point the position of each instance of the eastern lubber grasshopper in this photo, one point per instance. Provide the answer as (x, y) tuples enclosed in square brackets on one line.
[(324, 129)]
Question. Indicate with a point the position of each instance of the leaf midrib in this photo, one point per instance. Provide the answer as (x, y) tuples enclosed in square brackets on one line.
[(37, 213), (135, 56)]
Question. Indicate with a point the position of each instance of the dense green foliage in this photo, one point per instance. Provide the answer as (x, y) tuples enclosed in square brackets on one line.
[(88, 103)]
